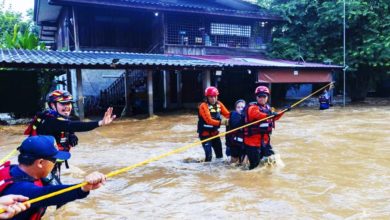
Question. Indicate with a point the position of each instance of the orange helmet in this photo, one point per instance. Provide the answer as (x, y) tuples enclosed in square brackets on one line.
[(211, 91), (60, 96), (262, 90)]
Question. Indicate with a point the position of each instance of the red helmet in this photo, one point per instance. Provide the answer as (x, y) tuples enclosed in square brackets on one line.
[(60, 96), (262, 90), (211, 91)]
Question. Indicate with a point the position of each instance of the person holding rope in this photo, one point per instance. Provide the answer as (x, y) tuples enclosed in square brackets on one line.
[(54, 194), (210, 119), (37, 158), (13, 205), (324, 100), (257, 137), (56, 122), (235, 140)]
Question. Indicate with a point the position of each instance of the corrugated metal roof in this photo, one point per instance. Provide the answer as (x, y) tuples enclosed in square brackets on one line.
[(225, 7), (109, 60), (240, 61), (96, 60)]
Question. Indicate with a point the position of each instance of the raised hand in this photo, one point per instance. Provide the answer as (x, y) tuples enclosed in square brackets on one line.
[(108, 117)]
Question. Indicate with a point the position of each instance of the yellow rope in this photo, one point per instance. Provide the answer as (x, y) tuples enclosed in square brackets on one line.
[(12, 153), (178, 150)]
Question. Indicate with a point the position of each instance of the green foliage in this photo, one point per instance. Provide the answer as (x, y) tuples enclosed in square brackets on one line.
[(314, 31), (265, 3), (23, 34), (19, 40), (18, 33)]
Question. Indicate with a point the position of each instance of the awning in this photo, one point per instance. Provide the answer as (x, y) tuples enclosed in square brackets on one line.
[(276, 70), (294, 76), (248, 61), (15, 58)]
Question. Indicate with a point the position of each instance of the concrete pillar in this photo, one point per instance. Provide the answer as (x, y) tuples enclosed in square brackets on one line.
[(167, 89), (80, 97), (150, 93), (179, 89), (126, 108), (206, 79)]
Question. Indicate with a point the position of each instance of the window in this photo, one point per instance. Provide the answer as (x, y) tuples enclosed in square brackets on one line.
[(231, 29)]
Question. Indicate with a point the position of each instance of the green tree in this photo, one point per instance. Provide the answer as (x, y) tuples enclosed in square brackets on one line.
[(19, 40), (313, 31), (18, 33), (23, 34)]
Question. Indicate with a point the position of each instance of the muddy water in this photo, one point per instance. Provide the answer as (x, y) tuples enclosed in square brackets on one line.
[(336, 167)]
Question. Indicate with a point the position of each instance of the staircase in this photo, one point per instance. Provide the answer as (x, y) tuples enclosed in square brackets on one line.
[(121, 94), (47, 35)]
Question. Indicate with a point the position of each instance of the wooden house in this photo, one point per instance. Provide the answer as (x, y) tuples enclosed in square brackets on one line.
[(234, 33)]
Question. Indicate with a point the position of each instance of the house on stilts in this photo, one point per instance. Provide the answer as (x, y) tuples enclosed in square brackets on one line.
[(144, 56)]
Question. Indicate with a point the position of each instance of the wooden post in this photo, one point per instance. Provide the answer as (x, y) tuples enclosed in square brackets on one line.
[(269, 98), (125, 109), (80, 100), (75, 30), (179, 89), (69, 80), (79, 76), (206, 79), (67, 32), (167, 89), (163, 31), (150, 92)]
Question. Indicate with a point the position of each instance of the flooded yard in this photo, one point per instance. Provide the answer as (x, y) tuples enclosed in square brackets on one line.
[(336, 167)]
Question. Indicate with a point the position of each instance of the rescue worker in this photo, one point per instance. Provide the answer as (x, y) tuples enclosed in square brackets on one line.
[(37, 157), (324, 100), (257, 137), (210, 119), (56, 122), (12, 205), (235, 140)]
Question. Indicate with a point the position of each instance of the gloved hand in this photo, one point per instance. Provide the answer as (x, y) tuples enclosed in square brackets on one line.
[(73, 140), (225, 121), (287, 107), (272, 114)]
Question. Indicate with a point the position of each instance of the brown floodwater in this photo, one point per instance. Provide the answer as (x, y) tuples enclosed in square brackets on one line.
[(337, 166)]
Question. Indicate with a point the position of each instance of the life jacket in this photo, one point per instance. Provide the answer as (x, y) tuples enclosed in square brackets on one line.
[(62, 138), (6, 179), (235, 137), (5, 176), (215, 112), (264, 127), (323, 100)]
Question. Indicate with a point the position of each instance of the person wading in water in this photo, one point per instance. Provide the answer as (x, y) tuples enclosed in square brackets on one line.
[(37, 158), (257, 137), (56, 122), (235, 140), (210, 119)]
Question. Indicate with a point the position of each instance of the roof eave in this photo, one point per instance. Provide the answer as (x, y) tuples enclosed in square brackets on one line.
[(155, 8), (102, 66), (41, 6)]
